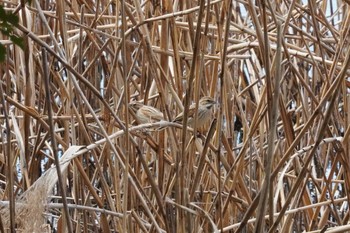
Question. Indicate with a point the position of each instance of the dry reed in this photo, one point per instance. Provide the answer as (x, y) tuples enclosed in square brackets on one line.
[(274, 159)]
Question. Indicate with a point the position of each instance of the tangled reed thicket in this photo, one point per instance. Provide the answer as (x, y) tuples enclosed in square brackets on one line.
[(274, 159)]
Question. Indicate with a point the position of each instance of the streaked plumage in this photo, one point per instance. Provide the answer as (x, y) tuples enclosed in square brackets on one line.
[(204, 112), (146, 114)]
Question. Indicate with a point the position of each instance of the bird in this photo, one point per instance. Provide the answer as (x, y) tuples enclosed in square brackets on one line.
[(205, 106), (145, 113)]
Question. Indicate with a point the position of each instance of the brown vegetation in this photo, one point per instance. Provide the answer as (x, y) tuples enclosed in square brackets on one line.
[(274, 158)]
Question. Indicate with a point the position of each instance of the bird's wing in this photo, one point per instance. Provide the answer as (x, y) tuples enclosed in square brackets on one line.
[(191, 110), (153, 113)]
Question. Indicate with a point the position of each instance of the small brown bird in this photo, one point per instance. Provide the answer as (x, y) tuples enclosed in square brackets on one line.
[(205, 106), (146, 114)]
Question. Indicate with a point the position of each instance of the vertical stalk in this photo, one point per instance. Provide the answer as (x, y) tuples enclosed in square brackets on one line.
[(53, 141), (221, 113), (126, 102), (10, 173), (181, 160), (259, 224)]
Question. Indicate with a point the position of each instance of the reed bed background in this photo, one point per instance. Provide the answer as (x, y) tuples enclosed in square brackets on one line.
[(275, 157)]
